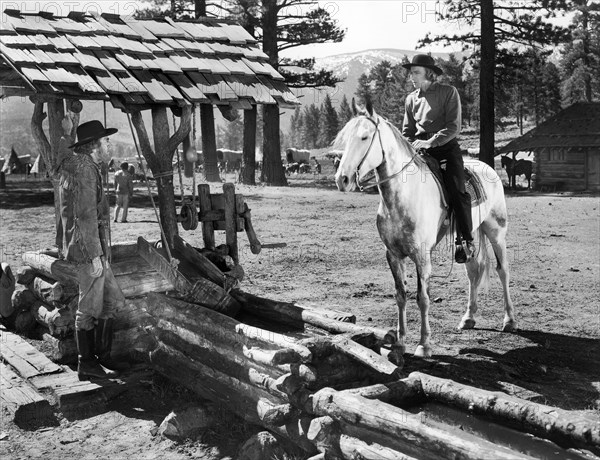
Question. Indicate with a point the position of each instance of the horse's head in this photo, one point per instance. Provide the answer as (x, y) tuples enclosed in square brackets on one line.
[(361, 140), (505, 161)]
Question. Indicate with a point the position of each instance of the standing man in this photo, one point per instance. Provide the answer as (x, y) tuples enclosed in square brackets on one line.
[(432, 122), (82, 240), (123, 190)]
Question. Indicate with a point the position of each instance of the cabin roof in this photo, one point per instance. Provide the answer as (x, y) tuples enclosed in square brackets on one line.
[(577, 126), (135, 62)]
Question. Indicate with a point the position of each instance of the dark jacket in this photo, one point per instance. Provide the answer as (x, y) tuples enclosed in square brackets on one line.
[(83, 210)]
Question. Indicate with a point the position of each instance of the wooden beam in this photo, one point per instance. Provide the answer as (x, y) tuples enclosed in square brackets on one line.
[(564, 427), (25, 406), (201, 291)]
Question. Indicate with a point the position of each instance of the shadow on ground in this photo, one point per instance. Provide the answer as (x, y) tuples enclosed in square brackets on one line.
[(561, 369)]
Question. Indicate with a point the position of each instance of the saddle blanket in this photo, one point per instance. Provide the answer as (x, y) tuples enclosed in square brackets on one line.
[(473, 185)]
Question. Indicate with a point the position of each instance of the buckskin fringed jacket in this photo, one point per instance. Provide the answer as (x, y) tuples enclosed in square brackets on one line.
[(83, 210)]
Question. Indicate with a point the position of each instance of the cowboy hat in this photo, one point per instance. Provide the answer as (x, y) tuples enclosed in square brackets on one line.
[(91, 131), (423, 60)]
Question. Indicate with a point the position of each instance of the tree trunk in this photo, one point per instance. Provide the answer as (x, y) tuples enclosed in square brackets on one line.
[(486, 83), (164, 184), (209, 143), (160, 160), (248, 172), (199, 8), (272, 171)]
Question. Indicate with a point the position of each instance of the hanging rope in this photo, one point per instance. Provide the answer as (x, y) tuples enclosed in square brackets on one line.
[(195, 155), (172, 261), (108, 199)]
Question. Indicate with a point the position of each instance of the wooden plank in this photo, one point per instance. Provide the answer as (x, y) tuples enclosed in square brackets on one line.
[(24, 404), (205, 267), (230, 221), (202, 291), (66, 390), (208, 232), (28, 361)]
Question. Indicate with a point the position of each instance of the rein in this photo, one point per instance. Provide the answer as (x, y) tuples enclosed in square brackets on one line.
[(378, 182)]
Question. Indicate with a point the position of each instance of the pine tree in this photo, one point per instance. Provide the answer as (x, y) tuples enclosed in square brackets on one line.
[(329, 125), (499, 24), (344, 112), (295, 131), (580, 60), (311, 126), (234, 134)]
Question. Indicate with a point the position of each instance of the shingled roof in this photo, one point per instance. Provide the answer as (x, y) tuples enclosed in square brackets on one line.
[(136, 62), (575, 126)]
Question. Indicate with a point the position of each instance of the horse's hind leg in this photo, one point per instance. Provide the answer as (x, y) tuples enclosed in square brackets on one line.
[(495, 229), (398, 268), (476, 272)]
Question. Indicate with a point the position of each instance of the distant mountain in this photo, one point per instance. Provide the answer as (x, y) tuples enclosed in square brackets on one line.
[(350, 67)]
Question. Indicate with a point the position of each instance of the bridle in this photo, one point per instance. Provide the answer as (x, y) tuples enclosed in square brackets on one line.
[(378, 182)]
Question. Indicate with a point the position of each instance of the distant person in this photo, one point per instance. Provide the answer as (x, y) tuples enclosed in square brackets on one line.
[(82, 239), (432, 122), (124, 191)]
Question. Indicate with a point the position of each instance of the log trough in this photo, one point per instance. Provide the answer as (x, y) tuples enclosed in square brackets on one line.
[(312, 376)]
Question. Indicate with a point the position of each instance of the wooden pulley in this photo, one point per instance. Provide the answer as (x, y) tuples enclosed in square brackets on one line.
[(188, 216), (74, 106), (177, 111)]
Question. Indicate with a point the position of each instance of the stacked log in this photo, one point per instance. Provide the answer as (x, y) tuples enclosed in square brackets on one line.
[(49, 292)]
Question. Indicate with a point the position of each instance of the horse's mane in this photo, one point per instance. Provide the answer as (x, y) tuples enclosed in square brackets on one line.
[(347, 131)]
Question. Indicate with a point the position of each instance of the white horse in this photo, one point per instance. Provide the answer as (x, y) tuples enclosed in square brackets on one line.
[(412, 218)]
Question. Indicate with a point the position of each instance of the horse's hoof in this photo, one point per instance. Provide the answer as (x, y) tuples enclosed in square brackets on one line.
[(423, 351), (509, 326), (395, 357), (467, 323)]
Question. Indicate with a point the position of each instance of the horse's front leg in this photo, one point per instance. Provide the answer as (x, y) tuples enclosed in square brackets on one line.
[(423, 277), (398, 268)]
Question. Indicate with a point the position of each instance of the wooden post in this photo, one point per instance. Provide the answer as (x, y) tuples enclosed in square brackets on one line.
[(2, 179), (231, 221), (208, 229), (209, 143), (248, 173)]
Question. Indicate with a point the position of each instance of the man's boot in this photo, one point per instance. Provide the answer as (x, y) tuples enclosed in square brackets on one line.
[(465, 251), (104, 337), (88, 366)]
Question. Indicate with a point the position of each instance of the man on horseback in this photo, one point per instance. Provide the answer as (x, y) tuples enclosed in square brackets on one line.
[(432, 122)]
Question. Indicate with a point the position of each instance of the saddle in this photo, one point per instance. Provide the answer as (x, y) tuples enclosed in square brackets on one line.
[(473, 185)]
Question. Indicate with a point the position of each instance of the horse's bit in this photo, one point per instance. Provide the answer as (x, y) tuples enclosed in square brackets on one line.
[(378, 182)]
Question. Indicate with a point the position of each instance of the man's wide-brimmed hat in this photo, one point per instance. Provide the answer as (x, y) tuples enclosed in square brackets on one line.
[(91, 131), (423, 60)]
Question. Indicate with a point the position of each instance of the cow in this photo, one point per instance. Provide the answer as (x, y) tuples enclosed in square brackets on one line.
[(292, 168), (229, 160), (304, 168)]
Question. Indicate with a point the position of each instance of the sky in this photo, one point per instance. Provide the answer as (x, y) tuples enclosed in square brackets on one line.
[(370, 24)]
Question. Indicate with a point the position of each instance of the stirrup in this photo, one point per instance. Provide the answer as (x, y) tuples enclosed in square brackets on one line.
[(465, 251)]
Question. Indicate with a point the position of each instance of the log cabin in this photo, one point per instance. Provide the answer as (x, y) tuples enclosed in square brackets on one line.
[(566, 149)]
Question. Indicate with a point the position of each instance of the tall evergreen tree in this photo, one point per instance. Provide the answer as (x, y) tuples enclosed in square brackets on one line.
[(386, 86), (311, 126), (329, 125), (234, 134), (499, 24), (580, 60), (344, 112)]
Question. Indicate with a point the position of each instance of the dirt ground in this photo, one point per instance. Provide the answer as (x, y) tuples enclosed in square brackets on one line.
[(335, 259)]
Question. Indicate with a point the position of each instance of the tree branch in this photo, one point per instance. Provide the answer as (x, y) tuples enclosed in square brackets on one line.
[(183, 130)]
